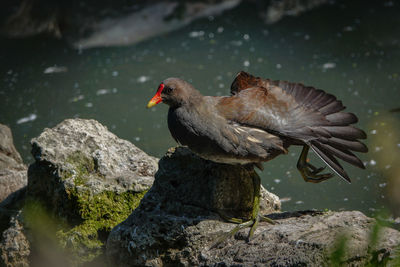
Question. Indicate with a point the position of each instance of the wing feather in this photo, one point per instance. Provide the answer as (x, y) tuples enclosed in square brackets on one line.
[(299, 112)]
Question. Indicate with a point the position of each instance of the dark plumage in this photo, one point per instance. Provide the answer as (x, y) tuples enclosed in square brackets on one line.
[(260, 120)]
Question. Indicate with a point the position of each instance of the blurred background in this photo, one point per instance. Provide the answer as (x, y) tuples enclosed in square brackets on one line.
[(104, 60)]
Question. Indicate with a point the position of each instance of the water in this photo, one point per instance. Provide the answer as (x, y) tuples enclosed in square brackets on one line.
[(349, 51)]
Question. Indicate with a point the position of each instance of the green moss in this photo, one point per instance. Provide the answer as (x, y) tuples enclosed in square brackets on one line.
[(100, 213), (82, 165), (92, 215)]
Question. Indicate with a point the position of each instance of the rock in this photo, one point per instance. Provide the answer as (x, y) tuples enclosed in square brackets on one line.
[(153, 19), (276, 10), (178, 216), (14, 245), (84, 181), (176, 225), (13, 172)]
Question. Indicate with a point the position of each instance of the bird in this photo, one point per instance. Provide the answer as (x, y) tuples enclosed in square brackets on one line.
[(261, 119)]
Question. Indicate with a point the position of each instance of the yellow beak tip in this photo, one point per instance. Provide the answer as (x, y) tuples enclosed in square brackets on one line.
[(151, 104)]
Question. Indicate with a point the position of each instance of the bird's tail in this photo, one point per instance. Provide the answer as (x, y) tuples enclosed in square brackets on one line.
[(338, 138)]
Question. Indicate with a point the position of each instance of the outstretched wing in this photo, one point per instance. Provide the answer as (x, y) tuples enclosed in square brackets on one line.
[(298, 112)]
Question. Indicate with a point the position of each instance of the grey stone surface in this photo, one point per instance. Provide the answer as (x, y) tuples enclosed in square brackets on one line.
[(178, 216), (13, 172), (84, 181), (176, 224), (83, 154), (14, 245), (90, 178)]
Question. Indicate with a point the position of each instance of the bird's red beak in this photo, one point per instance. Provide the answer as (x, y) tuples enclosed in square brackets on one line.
[(156, 98)]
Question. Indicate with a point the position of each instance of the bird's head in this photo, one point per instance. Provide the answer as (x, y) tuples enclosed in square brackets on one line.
[(173, 92)]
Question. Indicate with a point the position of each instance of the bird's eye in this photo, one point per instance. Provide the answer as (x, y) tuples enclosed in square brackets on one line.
[(167, 89)]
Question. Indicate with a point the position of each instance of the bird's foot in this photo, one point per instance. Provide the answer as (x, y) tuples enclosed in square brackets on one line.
[(309, 172), (313, 174), (253, 223)]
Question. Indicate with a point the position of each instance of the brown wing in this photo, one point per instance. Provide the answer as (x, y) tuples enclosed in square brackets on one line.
[(302, 113), (244, 80)]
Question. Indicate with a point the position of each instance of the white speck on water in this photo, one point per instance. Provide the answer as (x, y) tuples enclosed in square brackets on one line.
[(278, 66), (348, 29), (137, 138), (246, 37), (211, 35), (246, 63), (388, 166), (30, 117), (220, 29), (345, 199), (277, 181), (89, 105), (382, 185), (372, 162), (114, 73), (114, 90), (285, 199), (55, 69), (195, 34), (299, 202), (77, 98), (373, 131), (306, 37), (103, 91), (378, 148), (398, 145), (143, 79), (221, 85), (329, 65)]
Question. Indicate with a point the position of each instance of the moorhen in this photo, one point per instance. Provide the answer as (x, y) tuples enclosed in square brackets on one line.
[(259, 121)]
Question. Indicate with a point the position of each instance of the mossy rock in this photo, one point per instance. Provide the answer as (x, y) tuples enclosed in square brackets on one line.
[(83, 219), (84, 181), (99, 213)]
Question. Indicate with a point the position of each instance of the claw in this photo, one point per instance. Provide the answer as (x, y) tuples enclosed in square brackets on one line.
[(309, 172), (317, 170), (253, 223)]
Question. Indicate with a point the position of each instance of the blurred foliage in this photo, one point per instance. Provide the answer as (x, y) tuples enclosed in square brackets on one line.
[(385, 143), (375, 257)]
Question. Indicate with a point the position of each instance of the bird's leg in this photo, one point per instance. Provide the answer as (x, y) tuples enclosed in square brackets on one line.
[(254, 219), (309, 172)]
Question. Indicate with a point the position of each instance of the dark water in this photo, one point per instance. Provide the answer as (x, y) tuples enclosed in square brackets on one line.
[(352, 52)]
